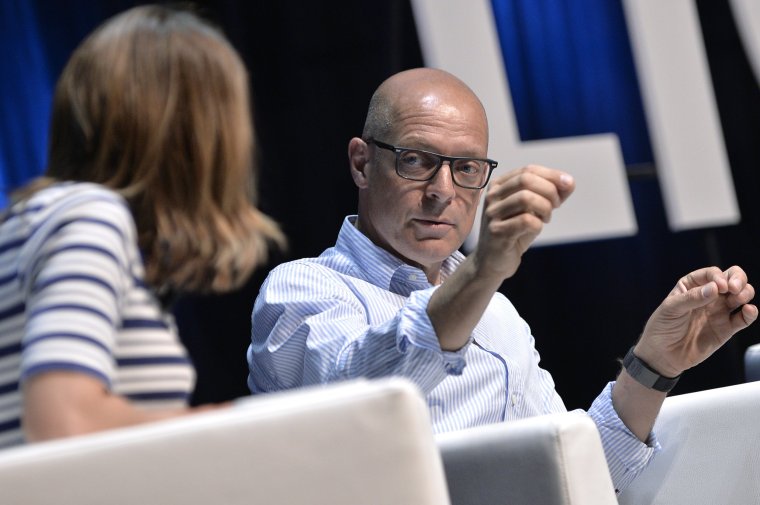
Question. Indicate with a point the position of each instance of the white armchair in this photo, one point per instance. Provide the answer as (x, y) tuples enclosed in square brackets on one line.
[(711, 451), (752, 363), (351, 444), (547, 460)]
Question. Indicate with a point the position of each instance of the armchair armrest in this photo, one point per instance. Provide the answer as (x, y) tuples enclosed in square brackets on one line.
[(752, 363), (555, 459)]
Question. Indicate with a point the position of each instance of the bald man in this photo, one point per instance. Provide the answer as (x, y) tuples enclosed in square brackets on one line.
[(395, 297)]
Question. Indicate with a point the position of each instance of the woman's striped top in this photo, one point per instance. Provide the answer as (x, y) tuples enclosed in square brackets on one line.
[(72, 297)]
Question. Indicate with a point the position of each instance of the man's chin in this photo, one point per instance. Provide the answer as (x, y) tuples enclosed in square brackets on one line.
[(431, 251)]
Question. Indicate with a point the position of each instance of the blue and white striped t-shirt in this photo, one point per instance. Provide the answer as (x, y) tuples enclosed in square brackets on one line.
[(72, 297), (358, 311)]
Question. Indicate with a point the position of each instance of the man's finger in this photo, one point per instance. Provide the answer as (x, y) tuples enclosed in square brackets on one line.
[(744, 317), (702, 277), (694, 298), (736, 278), (552, 184)]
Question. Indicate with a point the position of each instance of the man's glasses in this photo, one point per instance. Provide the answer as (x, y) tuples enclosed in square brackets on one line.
[(419, 165)]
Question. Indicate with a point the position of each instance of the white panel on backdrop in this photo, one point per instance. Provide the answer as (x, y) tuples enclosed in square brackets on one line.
[(747, 17), (460, 36), (691, 159)]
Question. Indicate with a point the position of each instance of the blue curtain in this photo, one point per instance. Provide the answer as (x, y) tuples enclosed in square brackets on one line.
[(36, 39), (571, 71), (25, 101)]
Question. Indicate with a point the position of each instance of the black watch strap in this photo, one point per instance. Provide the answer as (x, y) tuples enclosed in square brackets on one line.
[(646, 375)]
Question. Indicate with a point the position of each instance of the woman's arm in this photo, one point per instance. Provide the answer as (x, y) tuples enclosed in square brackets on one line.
[(63, 403)]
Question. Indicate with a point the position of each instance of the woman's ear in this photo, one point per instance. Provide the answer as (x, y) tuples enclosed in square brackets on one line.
[(358, 159)]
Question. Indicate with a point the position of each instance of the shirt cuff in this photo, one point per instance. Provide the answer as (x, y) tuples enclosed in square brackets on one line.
[(627, 456), (416, 329)]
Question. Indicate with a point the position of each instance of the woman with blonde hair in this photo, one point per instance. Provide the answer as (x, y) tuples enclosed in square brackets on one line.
[(148, 193)]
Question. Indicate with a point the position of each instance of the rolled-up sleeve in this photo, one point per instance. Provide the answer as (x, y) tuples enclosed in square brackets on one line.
[(626, 455), (74, 275), (311, 327)]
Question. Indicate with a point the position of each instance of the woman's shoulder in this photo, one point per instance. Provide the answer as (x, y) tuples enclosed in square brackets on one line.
[(67, 200), (63, 203), (65, 194)]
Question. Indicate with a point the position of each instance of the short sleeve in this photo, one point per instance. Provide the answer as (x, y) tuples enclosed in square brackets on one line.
[(75, 270)]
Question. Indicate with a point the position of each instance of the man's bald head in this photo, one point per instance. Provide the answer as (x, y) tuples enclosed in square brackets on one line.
[(409, 89)]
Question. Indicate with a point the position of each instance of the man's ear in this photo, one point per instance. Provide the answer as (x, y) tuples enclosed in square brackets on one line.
[(358, 159)]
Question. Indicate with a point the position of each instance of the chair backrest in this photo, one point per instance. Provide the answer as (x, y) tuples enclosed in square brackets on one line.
[(711, 450), (555, 459), (752, 363), (353, 443)]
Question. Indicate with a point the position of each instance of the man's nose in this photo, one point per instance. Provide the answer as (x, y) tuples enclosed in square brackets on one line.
[(441, 186)]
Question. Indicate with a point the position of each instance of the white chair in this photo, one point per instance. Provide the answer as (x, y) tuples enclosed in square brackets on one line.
[(752, 363), (348, 444), (547, 460), (711, 451)]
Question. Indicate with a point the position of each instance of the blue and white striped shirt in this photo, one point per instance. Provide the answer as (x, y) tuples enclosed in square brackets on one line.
[(358, 311), (72, 297)]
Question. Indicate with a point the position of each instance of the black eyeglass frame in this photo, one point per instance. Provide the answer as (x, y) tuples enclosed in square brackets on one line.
[(492, 164)]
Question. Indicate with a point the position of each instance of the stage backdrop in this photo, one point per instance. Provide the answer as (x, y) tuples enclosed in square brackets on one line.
[(314, 66)]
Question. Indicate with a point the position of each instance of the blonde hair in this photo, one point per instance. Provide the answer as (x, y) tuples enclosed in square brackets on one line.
[(154, 104)]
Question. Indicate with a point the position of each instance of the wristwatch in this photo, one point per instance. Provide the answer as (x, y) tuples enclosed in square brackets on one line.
[(646, 375)]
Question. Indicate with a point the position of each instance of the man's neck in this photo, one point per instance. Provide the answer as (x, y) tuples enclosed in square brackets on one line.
[(432, 272)]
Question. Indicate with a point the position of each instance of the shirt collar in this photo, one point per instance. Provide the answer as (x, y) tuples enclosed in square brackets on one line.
[(381, 268)]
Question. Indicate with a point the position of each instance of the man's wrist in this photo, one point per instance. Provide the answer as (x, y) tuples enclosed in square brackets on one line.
[(646, 375)]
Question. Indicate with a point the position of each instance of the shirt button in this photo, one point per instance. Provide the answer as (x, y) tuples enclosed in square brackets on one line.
[(403, 345), (513, 396)]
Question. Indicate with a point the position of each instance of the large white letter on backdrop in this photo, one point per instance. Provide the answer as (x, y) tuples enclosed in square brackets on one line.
[(747, 17), (691, 159)]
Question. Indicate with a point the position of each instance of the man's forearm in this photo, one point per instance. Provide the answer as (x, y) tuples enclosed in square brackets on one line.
[(457, 306), (636, 405)]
